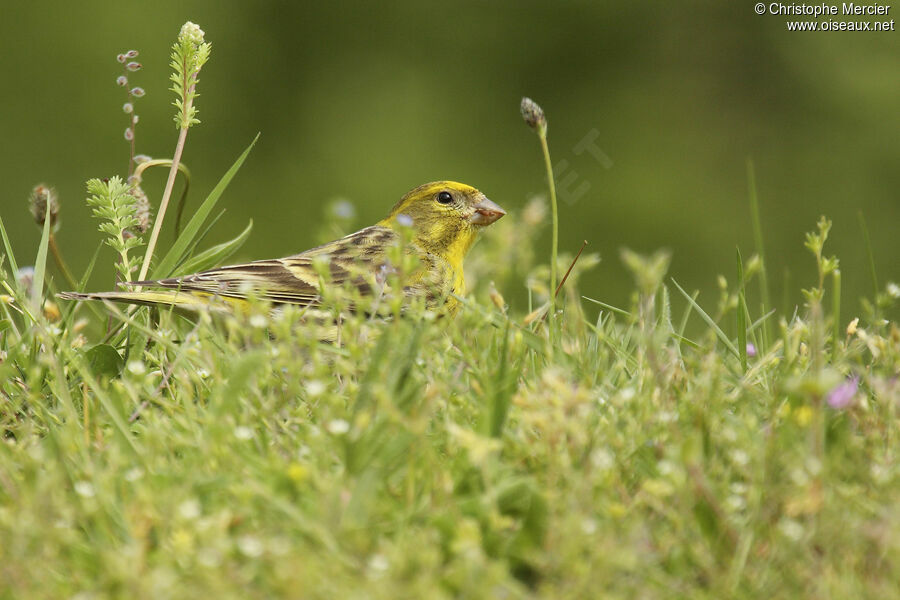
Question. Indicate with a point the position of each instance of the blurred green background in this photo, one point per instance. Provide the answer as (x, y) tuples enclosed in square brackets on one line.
[(364, 101)]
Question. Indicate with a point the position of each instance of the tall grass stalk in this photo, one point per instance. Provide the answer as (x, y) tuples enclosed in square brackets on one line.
[(189, 53), (766, 301), (535, 118), (163, 204)]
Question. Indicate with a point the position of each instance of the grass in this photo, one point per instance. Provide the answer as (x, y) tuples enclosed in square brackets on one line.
[(449, 458), (678, 447)]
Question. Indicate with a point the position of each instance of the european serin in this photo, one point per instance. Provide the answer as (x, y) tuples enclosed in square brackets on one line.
[(442, 221)]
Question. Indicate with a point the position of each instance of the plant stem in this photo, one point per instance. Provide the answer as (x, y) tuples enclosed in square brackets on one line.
[(760, 251), (542, 134), (185, 172), (170, 183)]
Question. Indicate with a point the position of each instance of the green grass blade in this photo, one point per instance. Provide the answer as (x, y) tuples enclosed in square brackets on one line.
[(40, 268), (687, 315), (869, 254), (836, 313), (9, 252), (709, 321), (106, 402), (755, 325), (760, 249), (181, 245), (215, 255), (741, 313), (198, 239), (502, 390), (82, 284), (608, 307)]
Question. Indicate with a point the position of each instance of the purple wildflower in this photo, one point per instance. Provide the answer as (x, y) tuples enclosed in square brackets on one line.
[(841, 396), (751, 350)]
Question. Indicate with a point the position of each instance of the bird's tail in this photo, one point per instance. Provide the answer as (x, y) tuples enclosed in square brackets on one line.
[(173, 298)]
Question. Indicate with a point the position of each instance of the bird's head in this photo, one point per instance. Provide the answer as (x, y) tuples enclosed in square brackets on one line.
[(445, 216)]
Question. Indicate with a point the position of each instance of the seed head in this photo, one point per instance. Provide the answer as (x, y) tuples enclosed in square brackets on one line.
[(128, 108), (42, 202), (121, 80), (137, 92), (533, 115), (121, 58), (131, 54), (129, 134), (133, 66), (141, 208)]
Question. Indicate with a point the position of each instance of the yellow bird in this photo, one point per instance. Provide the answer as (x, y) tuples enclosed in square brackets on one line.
[(443, 219)]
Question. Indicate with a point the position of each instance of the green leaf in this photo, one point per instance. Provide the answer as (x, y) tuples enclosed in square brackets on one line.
[(215, 255), (9, 252), (179, 248), (104, 360), (40, 267)]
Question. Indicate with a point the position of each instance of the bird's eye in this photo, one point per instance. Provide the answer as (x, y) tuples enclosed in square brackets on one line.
[(445, 198)]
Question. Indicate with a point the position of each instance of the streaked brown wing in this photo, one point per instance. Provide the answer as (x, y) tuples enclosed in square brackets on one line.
[(352, 260)]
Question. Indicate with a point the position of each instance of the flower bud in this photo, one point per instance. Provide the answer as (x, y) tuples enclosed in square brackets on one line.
[(133, 66), (134, 119), (497, 298), (131, 54), (137, 92), (142, 158), (121, 58), (128, 108), (129, 134), (533, 115), (122, 81), (191, 32), (42, 202)]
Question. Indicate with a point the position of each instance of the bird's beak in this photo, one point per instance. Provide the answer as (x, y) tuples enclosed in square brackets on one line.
[(486, 212)]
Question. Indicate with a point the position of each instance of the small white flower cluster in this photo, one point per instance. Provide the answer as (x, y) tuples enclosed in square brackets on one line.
[(191, 32)]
